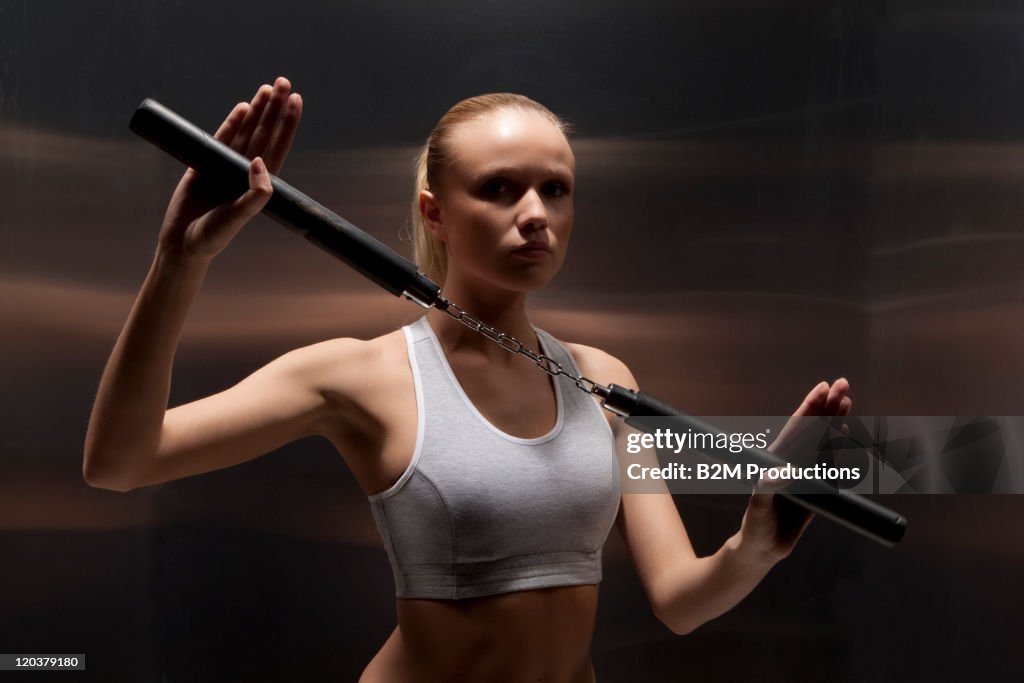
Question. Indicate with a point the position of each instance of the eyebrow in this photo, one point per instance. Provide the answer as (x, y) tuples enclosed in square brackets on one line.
[(564, 174)]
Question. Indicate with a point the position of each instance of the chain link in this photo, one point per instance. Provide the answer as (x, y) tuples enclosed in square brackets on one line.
[(510, 343)]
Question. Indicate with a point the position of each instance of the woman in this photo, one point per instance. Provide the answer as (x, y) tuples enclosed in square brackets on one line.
[(496, 568)]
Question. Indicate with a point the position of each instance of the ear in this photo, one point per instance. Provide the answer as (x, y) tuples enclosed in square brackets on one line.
[(432, 214)]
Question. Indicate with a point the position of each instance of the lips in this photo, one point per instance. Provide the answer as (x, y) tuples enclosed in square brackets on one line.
[(533, 248)]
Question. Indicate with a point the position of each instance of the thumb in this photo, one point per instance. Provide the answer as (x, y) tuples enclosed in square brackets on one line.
[(768, 484), (761, 501), (763, 498), (258, 194)]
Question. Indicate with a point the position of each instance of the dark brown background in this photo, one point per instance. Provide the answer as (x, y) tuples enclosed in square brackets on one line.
[(769, 194)]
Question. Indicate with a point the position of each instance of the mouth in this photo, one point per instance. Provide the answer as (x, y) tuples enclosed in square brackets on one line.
[(533, 250)]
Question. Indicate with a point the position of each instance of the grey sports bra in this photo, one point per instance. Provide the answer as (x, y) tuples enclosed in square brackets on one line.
[(481, 512)]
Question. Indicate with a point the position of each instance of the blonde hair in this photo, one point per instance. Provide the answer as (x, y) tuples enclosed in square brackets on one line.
[(429, 252)]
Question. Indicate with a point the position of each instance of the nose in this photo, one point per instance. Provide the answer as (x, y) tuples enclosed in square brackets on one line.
[(533, 213)]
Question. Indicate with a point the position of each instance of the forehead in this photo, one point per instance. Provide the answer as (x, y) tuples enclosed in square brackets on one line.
[(510, 139)]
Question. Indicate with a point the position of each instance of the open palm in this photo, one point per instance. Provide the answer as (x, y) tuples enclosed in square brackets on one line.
[(197, 224), (771, 524)]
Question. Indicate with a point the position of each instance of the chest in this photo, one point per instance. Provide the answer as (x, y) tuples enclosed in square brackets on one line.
[(518, 399), (559, 462), (520, 402)]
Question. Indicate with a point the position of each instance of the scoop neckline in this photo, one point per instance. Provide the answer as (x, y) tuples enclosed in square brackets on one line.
[(559, 406)]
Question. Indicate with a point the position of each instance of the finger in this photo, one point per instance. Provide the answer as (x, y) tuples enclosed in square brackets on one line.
[(188, 180), (258, 194), (835, 395), (268, 120), (284, 134), (240, 143), (814, 402), (846, 406), (839, 404), (231, 124), (766, 486), (761, 501)]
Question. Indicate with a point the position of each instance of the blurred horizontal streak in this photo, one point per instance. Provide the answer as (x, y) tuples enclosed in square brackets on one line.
[(949, 160), (44, 149), (35, 499), (713, 353), (51, 500), (34, 307), (627, 159), (954, 243), (92, 312), (88, 313), (704, 157)]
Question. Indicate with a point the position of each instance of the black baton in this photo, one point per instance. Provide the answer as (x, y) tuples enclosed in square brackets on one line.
[(867, 517), (214, 160)]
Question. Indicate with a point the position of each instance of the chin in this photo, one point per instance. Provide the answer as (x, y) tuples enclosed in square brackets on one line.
[(514, 279), (529, 281)]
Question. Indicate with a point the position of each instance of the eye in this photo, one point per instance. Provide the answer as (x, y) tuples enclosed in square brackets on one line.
[(495, 186), (555, 189)]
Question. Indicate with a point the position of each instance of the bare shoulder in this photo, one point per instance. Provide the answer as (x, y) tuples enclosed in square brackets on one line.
[(368, 389), (601, 366), (345, 366), (378, 349)]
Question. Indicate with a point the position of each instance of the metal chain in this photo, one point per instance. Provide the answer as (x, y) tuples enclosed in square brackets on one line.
[(512, 344)]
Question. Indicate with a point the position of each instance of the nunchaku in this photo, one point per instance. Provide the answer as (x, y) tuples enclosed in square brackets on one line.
[(228, 170)]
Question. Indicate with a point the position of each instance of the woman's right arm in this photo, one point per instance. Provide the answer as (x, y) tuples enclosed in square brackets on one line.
[(132, 439)]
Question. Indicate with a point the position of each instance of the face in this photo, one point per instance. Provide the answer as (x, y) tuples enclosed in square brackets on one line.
[(505, 205)]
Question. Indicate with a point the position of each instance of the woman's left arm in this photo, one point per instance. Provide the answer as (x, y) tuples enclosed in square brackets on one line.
[(684, 590)]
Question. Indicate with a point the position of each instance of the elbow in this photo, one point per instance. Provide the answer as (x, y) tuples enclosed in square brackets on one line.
[(99, 478), (675, 622), (678, 595), (679, 628), (108, 484)]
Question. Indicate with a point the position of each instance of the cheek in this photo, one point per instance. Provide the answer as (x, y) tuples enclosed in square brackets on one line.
[(471, 241), (565, 211), (566, 221), (481, 227)]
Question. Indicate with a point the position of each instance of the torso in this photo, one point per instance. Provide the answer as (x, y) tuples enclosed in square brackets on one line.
[(536, 635)]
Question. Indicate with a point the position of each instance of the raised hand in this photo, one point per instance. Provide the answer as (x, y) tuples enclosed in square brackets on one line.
[(831, 402), (772, 526), (196, 226)]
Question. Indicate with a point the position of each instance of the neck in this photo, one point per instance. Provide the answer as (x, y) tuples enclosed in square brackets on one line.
[(503, 310)]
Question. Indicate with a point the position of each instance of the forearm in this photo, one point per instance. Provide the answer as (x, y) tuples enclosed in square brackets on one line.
[(127, 416), (699, 589)]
